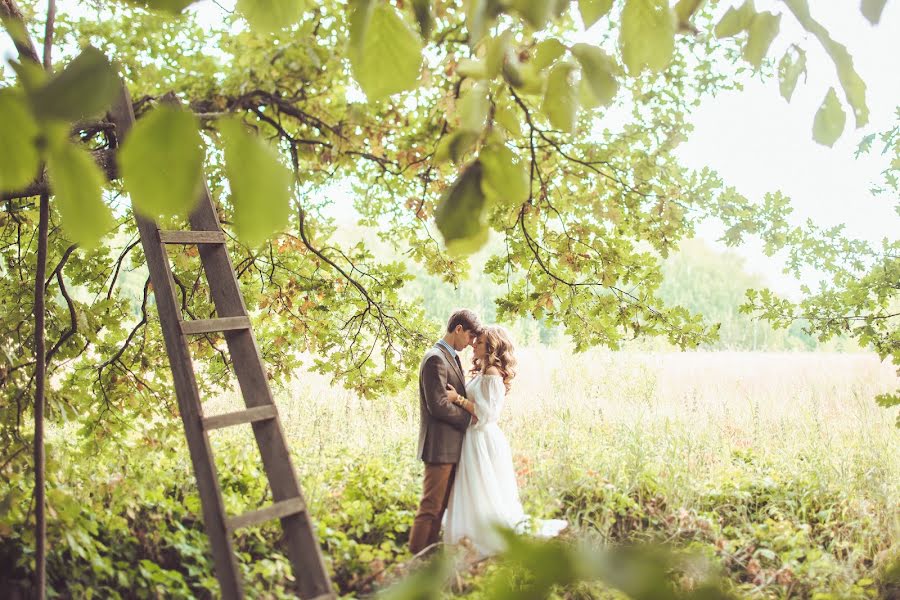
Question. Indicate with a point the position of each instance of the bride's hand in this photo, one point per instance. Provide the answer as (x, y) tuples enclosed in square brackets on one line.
[(452, 395)]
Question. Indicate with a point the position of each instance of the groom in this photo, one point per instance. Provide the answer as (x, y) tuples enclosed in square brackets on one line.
[(442, 426)]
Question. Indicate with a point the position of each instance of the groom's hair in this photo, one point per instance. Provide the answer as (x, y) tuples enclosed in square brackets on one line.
[(465, 317)]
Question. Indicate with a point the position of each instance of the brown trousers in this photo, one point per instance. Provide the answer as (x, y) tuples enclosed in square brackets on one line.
[(426, 529)]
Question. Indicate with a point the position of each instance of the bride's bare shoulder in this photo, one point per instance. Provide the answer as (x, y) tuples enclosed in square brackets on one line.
[(492, 370)]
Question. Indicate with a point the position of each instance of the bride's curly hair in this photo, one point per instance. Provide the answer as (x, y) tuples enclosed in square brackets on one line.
[(499, 352)]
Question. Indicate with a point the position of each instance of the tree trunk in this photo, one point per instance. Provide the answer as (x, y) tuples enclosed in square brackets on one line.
[(27, 51), (40, 377), (40, 464)]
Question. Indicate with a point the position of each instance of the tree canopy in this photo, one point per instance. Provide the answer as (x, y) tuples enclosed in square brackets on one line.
[(549, 125)]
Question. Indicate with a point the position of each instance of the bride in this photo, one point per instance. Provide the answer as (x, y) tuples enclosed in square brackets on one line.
[(485, 494)]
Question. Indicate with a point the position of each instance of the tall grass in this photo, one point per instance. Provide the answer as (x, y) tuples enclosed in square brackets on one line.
[(779, 450), (682, 417), (779, 468)]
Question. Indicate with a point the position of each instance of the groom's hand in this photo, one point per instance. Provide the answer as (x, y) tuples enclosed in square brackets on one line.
[(452, 394)]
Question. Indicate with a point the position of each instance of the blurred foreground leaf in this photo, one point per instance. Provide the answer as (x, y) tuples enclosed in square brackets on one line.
[(162, 163)]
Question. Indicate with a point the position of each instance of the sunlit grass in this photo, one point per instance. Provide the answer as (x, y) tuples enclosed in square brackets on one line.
[(787, 446), (681, 417)]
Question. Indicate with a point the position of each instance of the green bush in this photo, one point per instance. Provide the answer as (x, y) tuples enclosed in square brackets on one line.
[(364, 523), (125, 523), (141, 534), (769, 537)]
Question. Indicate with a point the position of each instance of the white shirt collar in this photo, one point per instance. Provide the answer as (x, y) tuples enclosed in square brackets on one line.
[(452, 350)]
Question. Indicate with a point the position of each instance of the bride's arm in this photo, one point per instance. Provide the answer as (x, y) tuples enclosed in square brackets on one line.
[(464, 403), (490, 391)]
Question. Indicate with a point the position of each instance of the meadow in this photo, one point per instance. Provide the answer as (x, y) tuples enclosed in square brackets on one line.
[(780, 461), (777, 469)]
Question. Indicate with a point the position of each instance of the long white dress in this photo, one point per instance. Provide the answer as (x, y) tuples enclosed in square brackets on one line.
[(485, 493)]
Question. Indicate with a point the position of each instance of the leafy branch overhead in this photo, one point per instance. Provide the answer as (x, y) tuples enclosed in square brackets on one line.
[(386, 56), (452, 125)]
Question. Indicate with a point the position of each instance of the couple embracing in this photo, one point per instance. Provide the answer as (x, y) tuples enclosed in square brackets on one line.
[(470, 483)]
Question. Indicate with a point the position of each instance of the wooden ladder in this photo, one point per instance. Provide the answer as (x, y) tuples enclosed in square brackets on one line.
[(232, 319)]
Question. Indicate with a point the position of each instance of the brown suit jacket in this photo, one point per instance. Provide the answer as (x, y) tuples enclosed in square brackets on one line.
[(442, 424)]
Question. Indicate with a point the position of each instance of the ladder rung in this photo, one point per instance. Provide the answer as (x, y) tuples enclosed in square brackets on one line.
[(191, 237), (278, 510), (251, 415), (214, 325)]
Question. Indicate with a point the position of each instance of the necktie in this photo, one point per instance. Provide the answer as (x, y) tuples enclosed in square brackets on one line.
[(458, 363)]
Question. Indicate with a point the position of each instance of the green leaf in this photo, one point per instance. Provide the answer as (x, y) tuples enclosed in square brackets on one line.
[(476, 20), (455, 145), (473, 108), (86, 87), (497, 49), (506, 116), (647, 35), (871, 9), (830, 119), (533, 82), (360, 16), (685, 11), (162, 163), (592, 10), (888, 400), (561, 102), (31, 75), (266, 16), (77, 185), (763, 29), (536, 12), (430, 576), (504, 179), (475, 69), (767, 553), (790, 67), (260, 183), (853, 85), (598, 70), (735, 20), (586, 98), (385, 53), (459, 214), (170, 6), (546, 52), (18, 134), (424, 17), (513, 72)]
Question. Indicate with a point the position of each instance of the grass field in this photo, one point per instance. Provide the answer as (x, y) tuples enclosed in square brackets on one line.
[(781, 464), (777, 470)]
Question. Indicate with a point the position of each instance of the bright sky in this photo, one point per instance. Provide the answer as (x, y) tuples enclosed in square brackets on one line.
[(759, 143)]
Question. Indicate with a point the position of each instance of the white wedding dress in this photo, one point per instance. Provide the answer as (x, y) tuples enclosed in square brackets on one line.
[(485, 493)]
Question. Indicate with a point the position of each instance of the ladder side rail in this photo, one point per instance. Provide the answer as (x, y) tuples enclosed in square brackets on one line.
[(185, 383), (302, 544)]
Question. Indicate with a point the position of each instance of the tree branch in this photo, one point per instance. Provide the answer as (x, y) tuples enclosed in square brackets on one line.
[(131, 335), (24, 44), (105, 158), (48, 35), (59, 267), (73, 318)]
